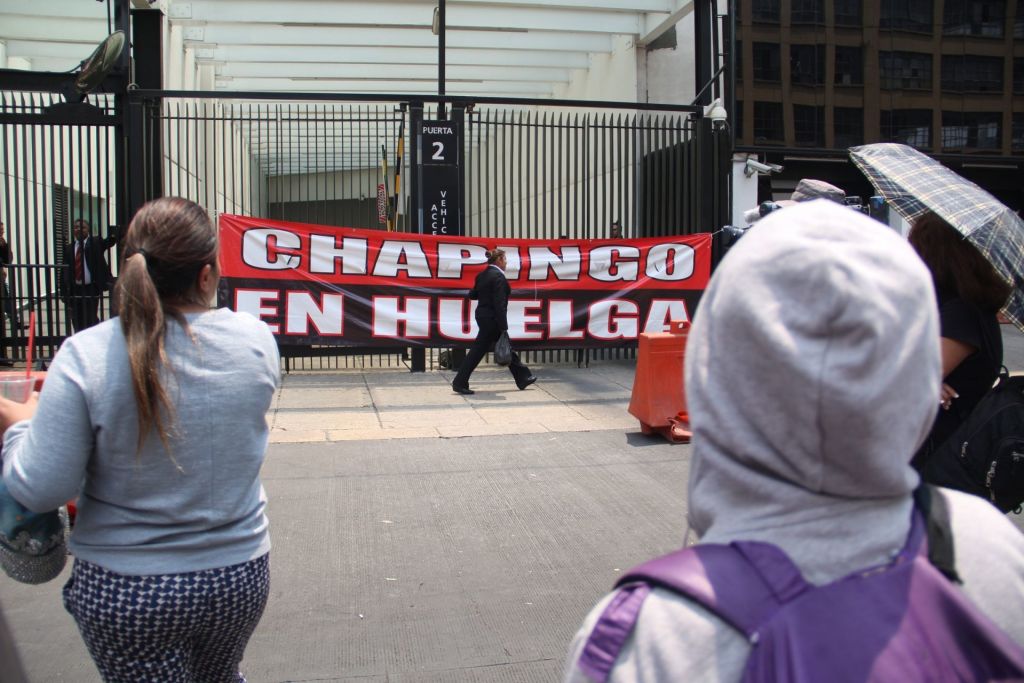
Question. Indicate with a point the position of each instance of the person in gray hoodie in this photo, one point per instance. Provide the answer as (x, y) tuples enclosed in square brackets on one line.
[(811, 376)]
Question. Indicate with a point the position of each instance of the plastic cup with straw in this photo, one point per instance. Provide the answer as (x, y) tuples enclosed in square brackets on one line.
[(15, 386)]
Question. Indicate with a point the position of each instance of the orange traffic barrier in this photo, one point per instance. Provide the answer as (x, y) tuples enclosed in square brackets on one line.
[(659, 395)]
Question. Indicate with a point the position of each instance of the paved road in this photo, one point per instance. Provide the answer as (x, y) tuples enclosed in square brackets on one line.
[(434, 556)]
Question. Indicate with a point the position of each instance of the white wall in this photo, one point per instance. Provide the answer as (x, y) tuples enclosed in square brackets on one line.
[(744, 190), (670, 71), (612, 77)]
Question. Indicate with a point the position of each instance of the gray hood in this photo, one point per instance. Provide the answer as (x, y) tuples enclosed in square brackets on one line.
[(812, 375)]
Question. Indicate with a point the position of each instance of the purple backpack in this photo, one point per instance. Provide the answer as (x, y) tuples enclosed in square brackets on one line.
[(903, 622)]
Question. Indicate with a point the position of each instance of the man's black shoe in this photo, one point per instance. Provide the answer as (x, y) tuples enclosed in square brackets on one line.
[(462, 390), (527, 382)]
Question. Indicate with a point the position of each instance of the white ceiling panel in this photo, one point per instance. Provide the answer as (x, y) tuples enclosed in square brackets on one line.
[(522, 48)]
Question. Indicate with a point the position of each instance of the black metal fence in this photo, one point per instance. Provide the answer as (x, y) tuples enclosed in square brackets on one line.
[(543, 174), (58, 166), (528, 172)]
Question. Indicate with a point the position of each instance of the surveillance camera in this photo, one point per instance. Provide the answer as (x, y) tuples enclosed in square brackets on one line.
[(716, 113), (755, 166)]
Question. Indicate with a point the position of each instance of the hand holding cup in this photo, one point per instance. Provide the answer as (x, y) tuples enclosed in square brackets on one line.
[(18, 399)]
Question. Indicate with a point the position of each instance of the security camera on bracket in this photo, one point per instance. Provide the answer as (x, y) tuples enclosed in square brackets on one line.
[(91, 73), (754, 166), (715, 112)]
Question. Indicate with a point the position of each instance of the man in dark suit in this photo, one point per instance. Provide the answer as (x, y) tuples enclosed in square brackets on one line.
[(491, 291), (85, 276)]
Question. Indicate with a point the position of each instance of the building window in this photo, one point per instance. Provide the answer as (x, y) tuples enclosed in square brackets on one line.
[(849, 126), (767, 122), (974, 18), (809, 125), (737, 54), (1018, 23), (1018, 76), (848, 12), (737, 120), (807, 64), (765, 11), (971, 130), (910, 126), (808, 12), (971, 73), (849, 65), (905, 70), (907, 15), (1017, 142), (767, 66)]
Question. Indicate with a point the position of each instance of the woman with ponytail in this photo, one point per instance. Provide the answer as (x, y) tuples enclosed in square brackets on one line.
[(155, 421)]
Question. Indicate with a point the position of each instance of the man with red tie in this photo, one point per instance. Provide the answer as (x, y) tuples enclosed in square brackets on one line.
[(85, 276)]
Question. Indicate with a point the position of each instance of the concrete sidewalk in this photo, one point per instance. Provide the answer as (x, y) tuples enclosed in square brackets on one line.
[(423, 536), (353, 405)]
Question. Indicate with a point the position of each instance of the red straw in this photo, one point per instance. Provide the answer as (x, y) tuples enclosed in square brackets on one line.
[(31, 342)]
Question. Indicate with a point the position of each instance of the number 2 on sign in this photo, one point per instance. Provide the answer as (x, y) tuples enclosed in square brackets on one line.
[(438, 151)]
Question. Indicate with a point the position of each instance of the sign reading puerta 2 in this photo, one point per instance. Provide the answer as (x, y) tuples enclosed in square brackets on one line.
[(339, 286), (439, 178)]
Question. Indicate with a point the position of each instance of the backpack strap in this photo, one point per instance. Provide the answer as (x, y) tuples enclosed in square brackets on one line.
[(938, 530), (743, 583), (611, 632)]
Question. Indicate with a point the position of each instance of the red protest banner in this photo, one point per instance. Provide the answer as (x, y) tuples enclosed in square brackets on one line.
[(325, 285)]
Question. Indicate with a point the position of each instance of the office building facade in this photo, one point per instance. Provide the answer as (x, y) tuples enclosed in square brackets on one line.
[(815, 77)]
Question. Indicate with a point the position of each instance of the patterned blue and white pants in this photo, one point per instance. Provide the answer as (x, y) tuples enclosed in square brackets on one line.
[(170, 628)]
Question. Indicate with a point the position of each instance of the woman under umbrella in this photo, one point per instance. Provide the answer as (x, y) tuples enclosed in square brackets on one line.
[(970, 294)]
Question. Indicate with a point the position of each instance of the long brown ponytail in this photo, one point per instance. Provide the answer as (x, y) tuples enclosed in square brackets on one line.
[(168, 243)]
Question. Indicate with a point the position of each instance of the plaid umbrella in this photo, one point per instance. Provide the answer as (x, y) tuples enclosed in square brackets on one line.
[(913, 183)]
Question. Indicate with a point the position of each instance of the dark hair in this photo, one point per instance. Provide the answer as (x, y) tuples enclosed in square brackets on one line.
[(168, 243), (494, 254), (957, 267)]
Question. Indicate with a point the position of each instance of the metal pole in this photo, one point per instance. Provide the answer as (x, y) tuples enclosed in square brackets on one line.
[(440, 60), (128, 134), (703, 27)]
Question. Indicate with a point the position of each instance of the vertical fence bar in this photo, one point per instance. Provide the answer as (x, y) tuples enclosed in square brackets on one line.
[(496, 188)]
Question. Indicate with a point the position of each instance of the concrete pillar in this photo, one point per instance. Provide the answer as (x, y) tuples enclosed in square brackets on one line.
[(188, 70), (174, 59), (205, 76)]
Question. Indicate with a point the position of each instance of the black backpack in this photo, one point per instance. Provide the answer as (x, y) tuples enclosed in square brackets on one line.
[(985, 455)]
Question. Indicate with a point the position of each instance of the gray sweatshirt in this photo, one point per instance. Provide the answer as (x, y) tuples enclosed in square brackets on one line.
[(812, 375), (199, 507)]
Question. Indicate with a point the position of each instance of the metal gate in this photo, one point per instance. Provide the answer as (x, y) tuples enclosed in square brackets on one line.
[(526, 173), (529, 170), (57, 167)]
